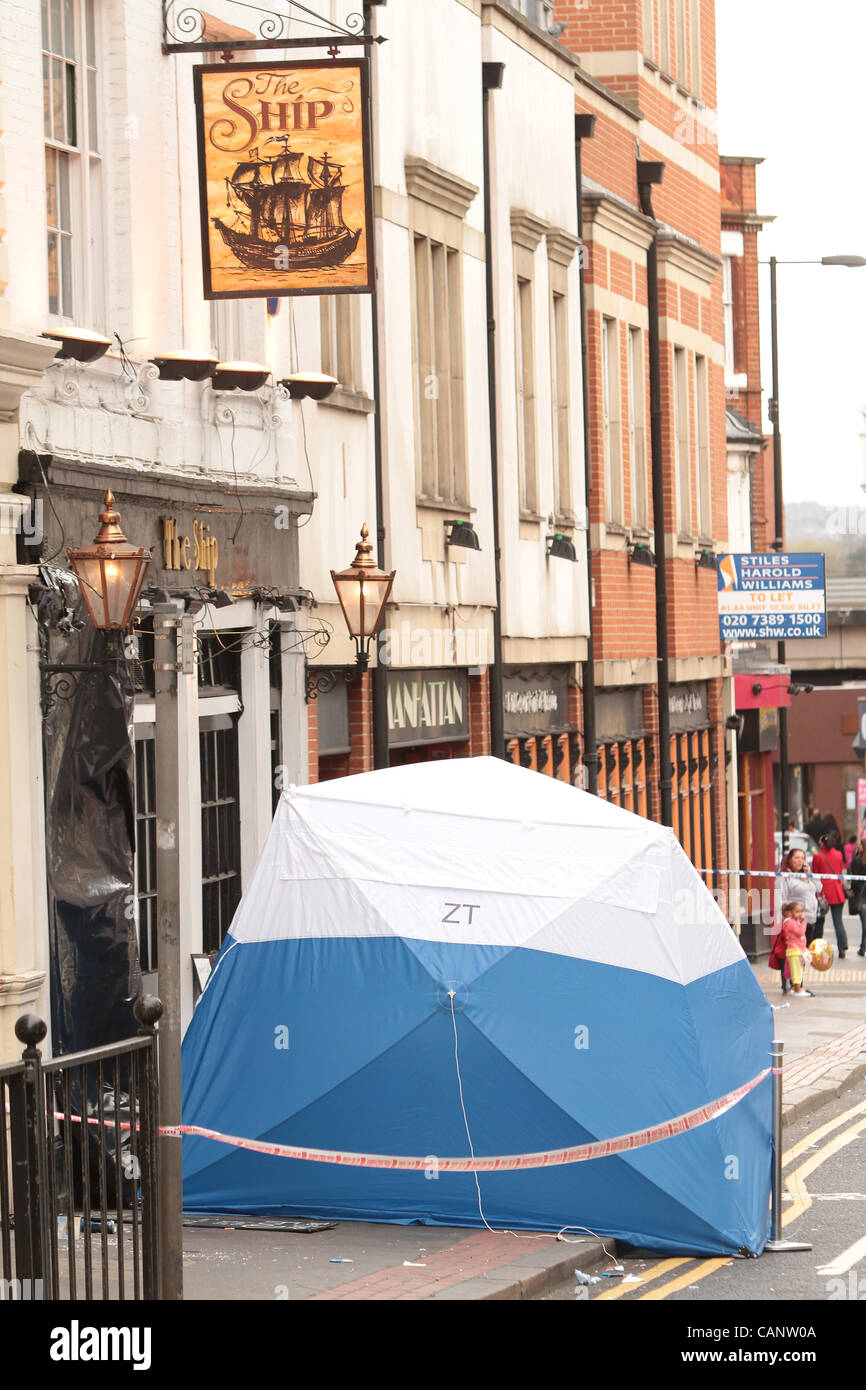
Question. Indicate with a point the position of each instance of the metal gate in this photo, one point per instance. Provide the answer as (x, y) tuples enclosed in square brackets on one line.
[(78, 1168)]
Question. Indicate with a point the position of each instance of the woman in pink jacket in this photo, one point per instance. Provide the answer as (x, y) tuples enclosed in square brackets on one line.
[(829, 860)]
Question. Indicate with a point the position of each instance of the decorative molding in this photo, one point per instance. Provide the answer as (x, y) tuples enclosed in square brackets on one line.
[(447, 192), (677, 250), (527, 229), (611, 214), (562, 245), (23, 360)]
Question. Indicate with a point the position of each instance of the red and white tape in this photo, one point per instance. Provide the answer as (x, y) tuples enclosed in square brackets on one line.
[(551, 1158)]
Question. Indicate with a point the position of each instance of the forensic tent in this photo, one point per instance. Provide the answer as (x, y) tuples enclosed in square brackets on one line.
[(466, 957)]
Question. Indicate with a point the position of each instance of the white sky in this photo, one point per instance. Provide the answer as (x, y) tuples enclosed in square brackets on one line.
[(790, 88)]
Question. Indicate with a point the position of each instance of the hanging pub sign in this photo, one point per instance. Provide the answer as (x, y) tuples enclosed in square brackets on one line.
[(284, 175)]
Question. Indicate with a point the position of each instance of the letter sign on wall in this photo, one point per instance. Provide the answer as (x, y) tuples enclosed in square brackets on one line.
[(284, 175)]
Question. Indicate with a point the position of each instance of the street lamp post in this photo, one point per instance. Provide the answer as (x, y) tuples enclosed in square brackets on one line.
[(853, 262)]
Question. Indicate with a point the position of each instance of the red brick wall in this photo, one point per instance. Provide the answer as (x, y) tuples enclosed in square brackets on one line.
[(361, 724)]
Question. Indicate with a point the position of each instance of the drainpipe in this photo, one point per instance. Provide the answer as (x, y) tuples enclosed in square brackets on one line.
[(647, 175), (491, 80), (379, 674), (584, 128)]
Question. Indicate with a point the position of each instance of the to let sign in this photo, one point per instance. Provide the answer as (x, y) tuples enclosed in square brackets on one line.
[(771, 597), (284, 174)]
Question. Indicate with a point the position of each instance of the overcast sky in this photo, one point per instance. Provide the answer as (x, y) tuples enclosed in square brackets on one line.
[(790, 88)]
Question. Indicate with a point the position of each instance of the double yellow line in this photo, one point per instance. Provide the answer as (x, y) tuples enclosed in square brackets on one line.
[(794, 1182)]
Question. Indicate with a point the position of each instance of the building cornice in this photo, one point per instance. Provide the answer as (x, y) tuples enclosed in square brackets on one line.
[(750, 220), (676, 250), (527, 229), (23, 360), (561, 245), (443, 190), (613, 214)]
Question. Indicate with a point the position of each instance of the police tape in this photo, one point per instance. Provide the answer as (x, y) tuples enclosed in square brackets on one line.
[(782, 873), (550, 1158)]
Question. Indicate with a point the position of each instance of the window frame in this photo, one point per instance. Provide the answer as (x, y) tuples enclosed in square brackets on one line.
[(560, 396), (637, 428), (612, 420), (682, 440), (83, 297), (525, 385), (438, 346), (703, 494)]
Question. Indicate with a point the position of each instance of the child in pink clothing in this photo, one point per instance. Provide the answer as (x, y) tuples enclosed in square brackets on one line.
[(794, 936)]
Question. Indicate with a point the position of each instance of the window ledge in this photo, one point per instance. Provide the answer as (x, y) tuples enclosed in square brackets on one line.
[(350, 400), (455, 509), (533, 517)]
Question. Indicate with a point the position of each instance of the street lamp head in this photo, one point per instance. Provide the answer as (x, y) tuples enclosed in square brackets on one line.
[(853, 262), (363, 591), (111, 573)]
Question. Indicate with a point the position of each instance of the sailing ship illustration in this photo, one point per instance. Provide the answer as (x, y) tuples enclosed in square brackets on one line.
[(277, 207)]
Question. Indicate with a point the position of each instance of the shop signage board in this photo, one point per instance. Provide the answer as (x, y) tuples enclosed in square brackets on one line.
[(771, 597), (861, 803), (427, 707), (687, 706), (284, 178), (535, 701)]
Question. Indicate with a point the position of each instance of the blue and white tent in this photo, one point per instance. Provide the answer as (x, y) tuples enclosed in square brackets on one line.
[(562, 951)]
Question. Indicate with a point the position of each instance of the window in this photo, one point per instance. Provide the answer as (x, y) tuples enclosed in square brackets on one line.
[(682, 64), (73, 166), (539, 11), (610, 403), (559, 377), (702, 449), (649, 28), (664, 36), (341, 331), (681, 440), (145, 844), (637, 429), (219, 704), (525, 368), (238, 330), (695, 24), (440, 381), (220, 827), (728, 311)]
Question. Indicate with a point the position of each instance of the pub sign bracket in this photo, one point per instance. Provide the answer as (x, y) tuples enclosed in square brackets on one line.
[(185, 28)]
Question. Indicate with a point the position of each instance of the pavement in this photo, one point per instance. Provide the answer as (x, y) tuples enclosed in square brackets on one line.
[(824, 1041)]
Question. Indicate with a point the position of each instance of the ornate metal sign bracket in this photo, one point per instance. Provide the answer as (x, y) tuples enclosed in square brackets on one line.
[(186, 29), (323, 682)]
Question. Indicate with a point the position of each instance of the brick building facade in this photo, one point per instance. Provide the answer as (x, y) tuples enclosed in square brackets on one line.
[(649, 79)]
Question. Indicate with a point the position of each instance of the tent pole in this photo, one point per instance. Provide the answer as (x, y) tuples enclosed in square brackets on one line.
[(776, 1244)]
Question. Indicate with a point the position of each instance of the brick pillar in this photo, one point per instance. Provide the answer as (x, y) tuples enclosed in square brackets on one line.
[(313, 741), (479, 715), (361, 724)]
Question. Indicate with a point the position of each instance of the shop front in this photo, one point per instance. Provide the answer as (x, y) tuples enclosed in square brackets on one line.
[(428, 715), (625, 753), (694, 766), (541, 731), (230, 572)]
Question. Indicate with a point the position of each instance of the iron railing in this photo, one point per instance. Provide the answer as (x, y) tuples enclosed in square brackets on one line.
[(78, 1168)]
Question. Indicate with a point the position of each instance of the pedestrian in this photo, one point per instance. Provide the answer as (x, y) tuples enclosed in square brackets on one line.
[(850, 850), (857, 890), (794, 936), (795, 884), (828, 862)]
